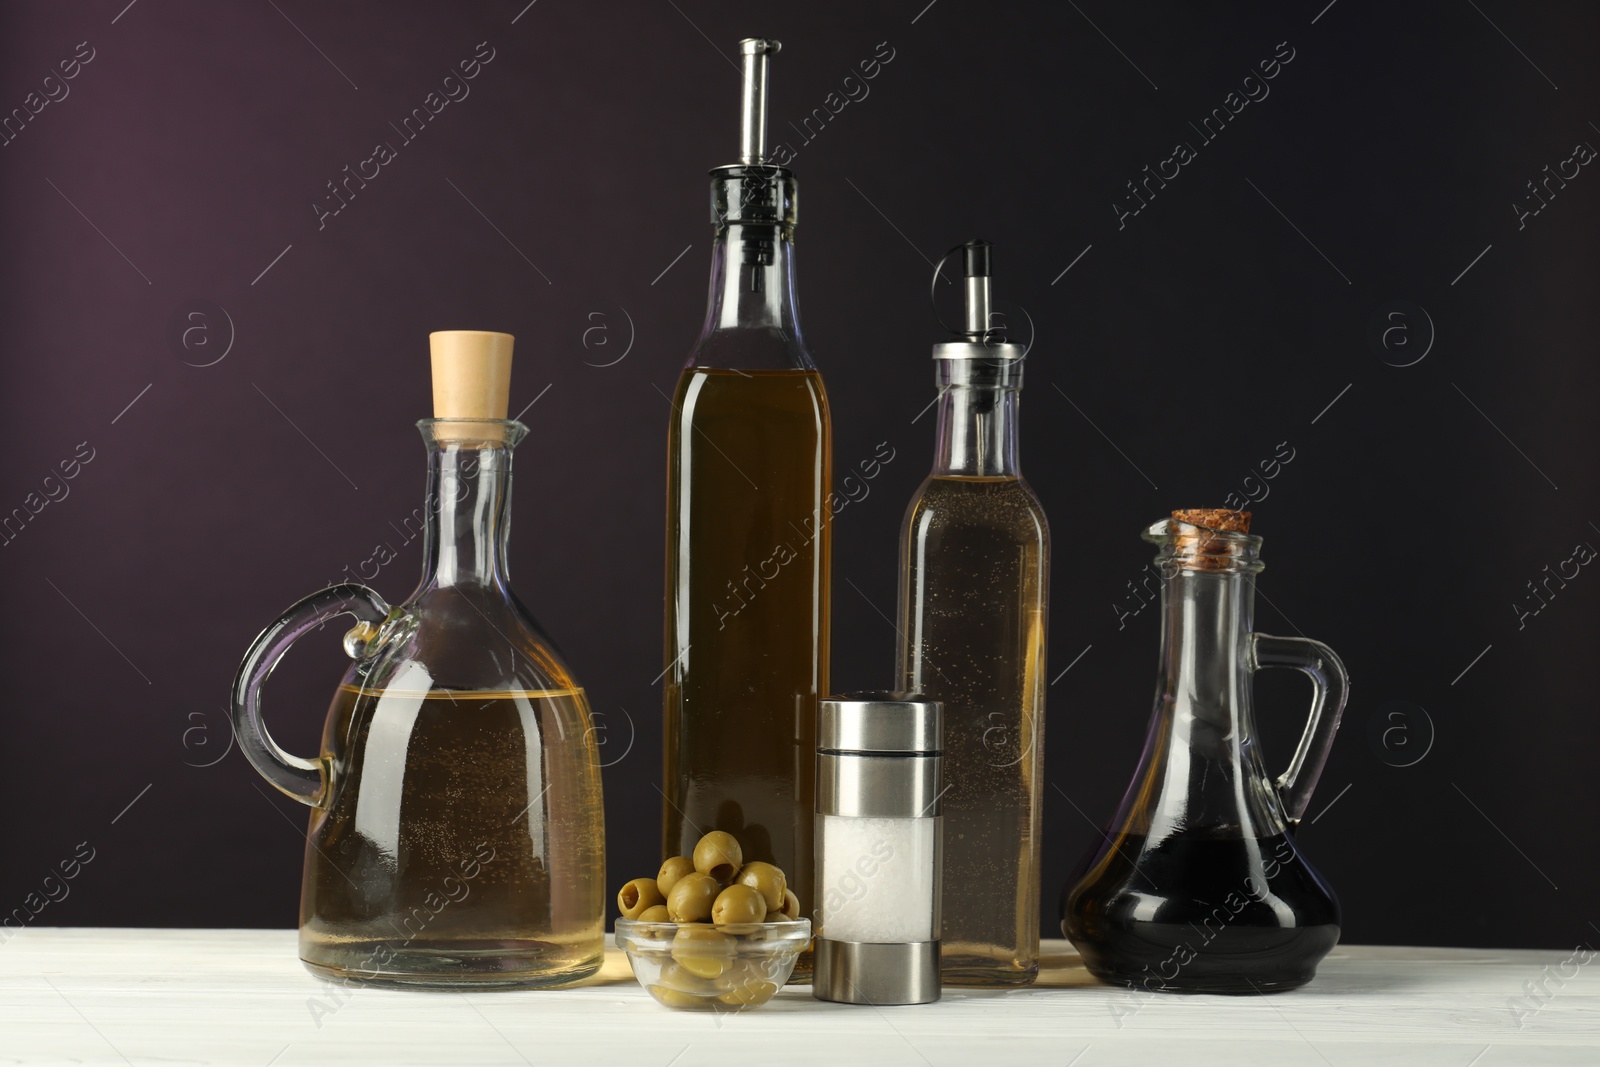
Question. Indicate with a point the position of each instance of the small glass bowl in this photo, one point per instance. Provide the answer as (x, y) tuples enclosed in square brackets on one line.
[(702, 967)]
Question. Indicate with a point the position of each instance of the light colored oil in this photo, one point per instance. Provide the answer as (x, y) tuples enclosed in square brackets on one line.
[(440, 859), (748, 530), (974, 554)]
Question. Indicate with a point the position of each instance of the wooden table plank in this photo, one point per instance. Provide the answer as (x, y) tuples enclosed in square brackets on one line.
[(241, 997)]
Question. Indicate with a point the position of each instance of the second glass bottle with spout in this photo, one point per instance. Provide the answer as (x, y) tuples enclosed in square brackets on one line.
[(974, 582), (747, 560)]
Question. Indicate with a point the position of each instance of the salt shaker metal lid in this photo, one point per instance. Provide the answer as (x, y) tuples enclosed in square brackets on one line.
[(878, 849), (880, 722)]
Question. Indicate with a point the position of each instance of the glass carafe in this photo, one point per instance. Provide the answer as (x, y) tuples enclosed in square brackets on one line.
[(456, 834), (1200, 886)]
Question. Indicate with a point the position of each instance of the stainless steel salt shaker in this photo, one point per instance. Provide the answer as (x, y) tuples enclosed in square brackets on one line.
[(878, 837)]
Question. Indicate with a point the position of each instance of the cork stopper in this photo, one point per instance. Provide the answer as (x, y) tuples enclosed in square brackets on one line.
[(471, 379), (1224, 519), (1205, 541)]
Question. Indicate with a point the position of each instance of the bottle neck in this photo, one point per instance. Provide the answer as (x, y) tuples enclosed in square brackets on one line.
[(752, 317), (469, 515), (1207, 619), (1203, 770), (977, 428)]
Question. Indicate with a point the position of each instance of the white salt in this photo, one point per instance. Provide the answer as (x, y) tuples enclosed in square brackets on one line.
[(876, 879)]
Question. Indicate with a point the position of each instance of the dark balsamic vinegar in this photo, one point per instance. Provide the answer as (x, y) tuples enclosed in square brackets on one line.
[(1202, 913)]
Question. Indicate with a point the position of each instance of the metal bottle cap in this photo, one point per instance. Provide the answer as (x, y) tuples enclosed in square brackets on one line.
[(754, 192), (880, 722), (979, 338), (754, 53)]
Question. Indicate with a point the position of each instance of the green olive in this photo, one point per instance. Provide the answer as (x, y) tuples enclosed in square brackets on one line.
[(695, 939), (636, 896), (718, 855), (738, 904), (707, 967), (671, 871), (675, 976), (691, 898), (767, 880), (656, 913), (791, 906), (702, 951), (673, 999)]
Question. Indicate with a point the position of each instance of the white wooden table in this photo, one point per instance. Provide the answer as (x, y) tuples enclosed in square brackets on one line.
[(241, 997)]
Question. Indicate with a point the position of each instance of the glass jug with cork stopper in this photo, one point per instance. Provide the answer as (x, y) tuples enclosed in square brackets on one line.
[(456, 835), (1200, 886)]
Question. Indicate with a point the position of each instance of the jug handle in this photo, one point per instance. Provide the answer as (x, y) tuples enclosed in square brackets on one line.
[(1330, 686), (305, 780)]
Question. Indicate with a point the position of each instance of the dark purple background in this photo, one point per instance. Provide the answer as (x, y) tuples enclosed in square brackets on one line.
[(1220, 321)]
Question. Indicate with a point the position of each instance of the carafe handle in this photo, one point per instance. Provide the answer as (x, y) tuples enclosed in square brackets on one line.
[(1330, 685), (305, 780)]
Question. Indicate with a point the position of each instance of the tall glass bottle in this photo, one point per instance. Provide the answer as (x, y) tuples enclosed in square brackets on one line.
[(748, 475), (974, 567)]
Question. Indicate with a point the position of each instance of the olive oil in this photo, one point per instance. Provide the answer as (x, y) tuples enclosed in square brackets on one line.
[(457, 834), (749, 470), (972, 624), (747, 612), (439, 859), (974, 589)]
